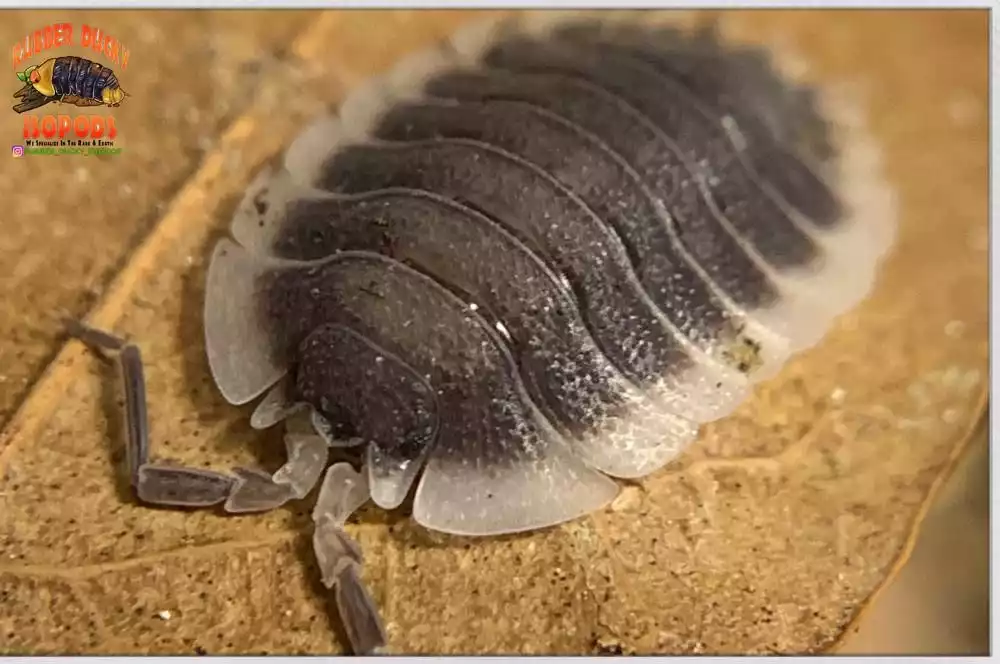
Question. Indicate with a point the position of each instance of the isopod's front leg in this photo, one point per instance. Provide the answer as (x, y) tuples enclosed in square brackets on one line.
[(258, 491), (343, 492)]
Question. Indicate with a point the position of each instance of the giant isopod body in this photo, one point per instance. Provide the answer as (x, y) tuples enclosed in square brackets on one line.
[(520, 265)]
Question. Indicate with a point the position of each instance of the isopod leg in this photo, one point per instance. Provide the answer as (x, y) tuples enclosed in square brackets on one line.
[(362, 621), (343, 492), (256, 491), (307, 458)]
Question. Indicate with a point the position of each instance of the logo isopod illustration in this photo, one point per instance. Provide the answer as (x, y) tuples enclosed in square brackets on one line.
[(70, 80), (69, 83)]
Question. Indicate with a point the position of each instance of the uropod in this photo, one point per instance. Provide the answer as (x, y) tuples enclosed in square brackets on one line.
[(526, 263)]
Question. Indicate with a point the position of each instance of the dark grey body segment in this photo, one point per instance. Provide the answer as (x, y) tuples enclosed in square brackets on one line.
[(483, 412), (790, 112), (564, 370), (598, 176), (665, 172), (544, 215), (73, 75), (366, 392), (682, 117), (713, 80)]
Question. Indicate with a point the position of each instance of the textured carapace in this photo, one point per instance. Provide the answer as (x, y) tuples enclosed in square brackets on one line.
[(539, 257), (69, 79)]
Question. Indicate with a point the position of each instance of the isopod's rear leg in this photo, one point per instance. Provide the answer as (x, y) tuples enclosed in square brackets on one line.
[(343, 492)]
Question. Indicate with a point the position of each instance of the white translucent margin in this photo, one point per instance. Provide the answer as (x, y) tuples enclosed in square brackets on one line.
[(488, 4)]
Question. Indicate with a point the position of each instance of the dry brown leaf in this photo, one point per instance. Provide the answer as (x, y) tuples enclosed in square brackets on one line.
[(768, 536)]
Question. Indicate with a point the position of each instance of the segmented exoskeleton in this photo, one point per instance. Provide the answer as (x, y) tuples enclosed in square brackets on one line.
[(69, 79)]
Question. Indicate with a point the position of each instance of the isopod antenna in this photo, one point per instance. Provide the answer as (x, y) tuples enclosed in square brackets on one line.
[(163, 485)]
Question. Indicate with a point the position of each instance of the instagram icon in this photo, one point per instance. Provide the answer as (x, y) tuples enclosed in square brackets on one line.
[(17, 151)]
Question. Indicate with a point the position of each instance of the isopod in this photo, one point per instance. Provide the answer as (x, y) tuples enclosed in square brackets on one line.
[(69, 79), (524, 264)]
